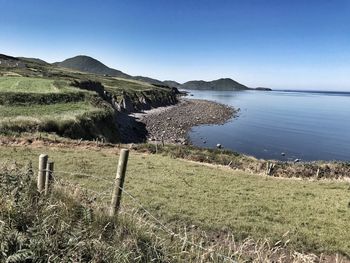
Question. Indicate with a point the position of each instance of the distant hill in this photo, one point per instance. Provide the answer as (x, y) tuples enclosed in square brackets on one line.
[(5, 57), (36, 60), (220, 84), (8, 61), (148, 80), (172, 84), (90, 65), (263, 89)]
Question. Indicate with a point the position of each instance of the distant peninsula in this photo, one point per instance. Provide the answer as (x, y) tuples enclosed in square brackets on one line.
[(220, 84), (263, 89)]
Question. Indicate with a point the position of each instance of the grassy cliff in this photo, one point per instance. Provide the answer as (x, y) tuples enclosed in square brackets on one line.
[(32, 104), (39, 97)]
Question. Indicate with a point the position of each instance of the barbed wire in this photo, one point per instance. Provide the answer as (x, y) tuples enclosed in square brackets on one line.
[(169, 231), (162, 227), (102, 195)]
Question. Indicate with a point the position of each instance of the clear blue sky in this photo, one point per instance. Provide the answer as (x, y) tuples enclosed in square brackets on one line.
[(301, 44)]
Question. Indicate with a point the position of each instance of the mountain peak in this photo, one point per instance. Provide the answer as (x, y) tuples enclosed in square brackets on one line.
[(90, 65), (84, 58)]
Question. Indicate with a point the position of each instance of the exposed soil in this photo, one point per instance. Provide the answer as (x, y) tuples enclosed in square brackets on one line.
[(171, 124)]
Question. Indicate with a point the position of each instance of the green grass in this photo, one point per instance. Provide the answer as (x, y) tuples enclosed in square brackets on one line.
[(314, 213), (63, 228), (71, 120), (32, 85), (123, 84), (39, 112), (29, 104)]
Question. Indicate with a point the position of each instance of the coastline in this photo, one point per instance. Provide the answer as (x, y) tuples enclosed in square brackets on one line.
[(171, 124)]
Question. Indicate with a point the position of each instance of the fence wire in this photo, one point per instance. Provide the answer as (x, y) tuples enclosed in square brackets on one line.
[(162, 227)]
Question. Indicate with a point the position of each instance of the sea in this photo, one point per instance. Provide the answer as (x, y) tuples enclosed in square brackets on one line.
[(280, 125)]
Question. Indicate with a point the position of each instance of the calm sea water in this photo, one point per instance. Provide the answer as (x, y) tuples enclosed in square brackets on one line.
[(303, 125)]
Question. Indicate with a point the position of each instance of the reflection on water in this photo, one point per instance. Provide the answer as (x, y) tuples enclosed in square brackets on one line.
[(303, 125)]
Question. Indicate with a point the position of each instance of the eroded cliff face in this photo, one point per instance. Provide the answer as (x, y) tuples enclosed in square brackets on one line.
[(128, 128), (132, 102), (146, 100)]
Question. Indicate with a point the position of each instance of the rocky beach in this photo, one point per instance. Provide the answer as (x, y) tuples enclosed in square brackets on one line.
[(171, 124)]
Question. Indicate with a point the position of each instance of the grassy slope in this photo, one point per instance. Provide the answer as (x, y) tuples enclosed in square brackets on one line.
[(41, 104), (46, 80), (36, 87), (32, 85), (55, 111), (218, 199), (63, 228), (42, 99)]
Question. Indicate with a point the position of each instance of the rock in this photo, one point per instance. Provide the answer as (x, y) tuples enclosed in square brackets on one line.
[(127, 104)]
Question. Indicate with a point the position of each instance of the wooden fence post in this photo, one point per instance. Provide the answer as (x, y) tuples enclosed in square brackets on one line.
[(270, 167), (49, 171), (41, 173), (119, 182)]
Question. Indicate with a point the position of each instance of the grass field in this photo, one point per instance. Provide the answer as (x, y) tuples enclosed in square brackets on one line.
[(128, 85), (314, 213), (29, 104), (33, 85), (39, 112)]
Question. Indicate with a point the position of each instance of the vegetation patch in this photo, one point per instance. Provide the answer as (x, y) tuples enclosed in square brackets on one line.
[(57, 110), (311, 170), (27, 99), (312, 215), (73, 120), (42, 98), (63, 228), (32, 85), (29, 104)]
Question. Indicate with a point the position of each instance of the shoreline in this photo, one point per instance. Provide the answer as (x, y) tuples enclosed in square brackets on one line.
[(171, 124)]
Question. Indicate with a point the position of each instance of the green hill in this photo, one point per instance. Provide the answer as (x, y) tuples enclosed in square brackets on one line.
[(91, 65), (172, 84), (148, 80), (220, 84), (35, 60)]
